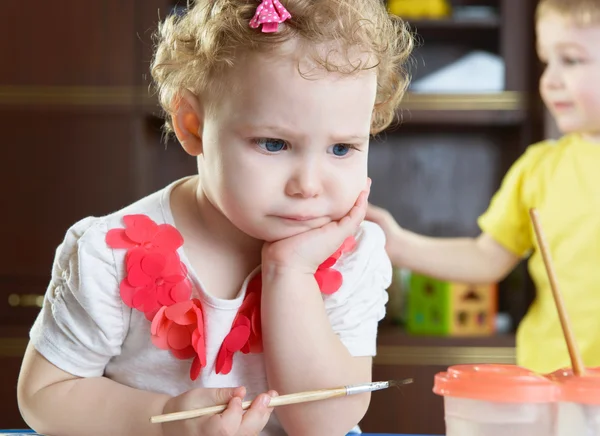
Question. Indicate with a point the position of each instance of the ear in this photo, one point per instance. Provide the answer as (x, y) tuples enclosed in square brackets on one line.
[(188, 122)]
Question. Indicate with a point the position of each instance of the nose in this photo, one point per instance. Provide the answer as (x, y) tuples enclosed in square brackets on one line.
[(305, 181), (551, 78)]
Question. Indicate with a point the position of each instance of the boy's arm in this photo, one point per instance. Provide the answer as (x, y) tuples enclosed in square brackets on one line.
[(475, 260), (53, 401)]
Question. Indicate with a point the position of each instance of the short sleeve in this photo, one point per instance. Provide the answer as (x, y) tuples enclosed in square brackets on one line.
[(357, 307), (507, 218), (81, 325)]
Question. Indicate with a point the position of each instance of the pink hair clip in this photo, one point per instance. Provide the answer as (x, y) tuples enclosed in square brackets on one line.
[(269, 13)]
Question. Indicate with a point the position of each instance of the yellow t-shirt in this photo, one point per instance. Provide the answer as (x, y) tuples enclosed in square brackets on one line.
[(562, 180)]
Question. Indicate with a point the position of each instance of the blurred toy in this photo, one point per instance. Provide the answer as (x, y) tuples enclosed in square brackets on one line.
[(437, 307), (395, 311), (419, 8)]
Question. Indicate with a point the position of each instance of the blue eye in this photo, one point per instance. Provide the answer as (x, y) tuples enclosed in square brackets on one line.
[(271, 145), (341, 149)]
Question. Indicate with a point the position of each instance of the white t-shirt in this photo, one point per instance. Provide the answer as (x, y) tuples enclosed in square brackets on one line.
[(85, 329)]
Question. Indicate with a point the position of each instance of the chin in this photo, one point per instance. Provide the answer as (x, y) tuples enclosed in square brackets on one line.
[(274, 231), (273, 235), (566, 127)]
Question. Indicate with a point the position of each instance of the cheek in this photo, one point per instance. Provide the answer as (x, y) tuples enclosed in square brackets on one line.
[(346, 186), (579, 87), (249, 179), (589, 100)]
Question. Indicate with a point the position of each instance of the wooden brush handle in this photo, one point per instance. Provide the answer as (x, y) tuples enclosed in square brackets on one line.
[(576, 360), (283, 400)]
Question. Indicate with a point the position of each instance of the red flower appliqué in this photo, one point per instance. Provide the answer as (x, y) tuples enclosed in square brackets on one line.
[(180, 329), (141, 231), (157, 285), (329, 279), (155, 275), (246, 333)]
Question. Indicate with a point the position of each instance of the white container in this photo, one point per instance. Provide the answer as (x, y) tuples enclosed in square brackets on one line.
[(496, 400), (578, 403)]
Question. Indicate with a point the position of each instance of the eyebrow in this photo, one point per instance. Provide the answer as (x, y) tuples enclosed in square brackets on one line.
[(357, 138), (562, 46), (570, 45), (285, 132)]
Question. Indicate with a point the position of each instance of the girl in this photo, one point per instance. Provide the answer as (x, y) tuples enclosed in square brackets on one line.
[(257, 272)]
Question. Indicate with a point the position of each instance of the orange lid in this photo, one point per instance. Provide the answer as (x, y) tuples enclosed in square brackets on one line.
[(499, 383), (573, 389)]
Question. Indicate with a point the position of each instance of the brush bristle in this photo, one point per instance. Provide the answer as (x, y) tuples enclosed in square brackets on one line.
[(405, 381)]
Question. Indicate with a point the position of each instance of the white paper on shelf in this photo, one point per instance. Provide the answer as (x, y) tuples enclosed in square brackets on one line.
[(476, 72)]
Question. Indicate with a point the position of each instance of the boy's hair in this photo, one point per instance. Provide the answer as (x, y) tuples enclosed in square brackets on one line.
[(582, 12), (194, 50)]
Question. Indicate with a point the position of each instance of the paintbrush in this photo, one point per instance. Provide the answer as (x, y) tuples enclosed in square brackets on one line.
[(284, 400)]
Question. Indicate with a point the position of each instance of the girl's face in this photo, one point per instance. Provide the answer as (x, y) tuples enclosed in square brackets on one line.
[(569, 82), (282, 153)]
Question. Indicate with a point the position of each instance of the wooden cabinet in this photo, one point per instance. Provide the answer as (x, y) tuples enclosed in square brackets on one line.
[(73, 110), (13, 341), (80, 138)]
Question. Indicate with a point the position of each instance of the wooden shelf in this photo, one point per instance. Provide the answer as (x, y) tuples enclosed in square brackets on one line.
[(396, 347), (503, 108), (456, 23), (390, 334), (472, 117)]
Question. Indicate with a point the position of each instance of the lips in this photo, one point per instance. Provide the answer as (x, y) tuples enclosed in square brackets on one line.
[(298, 218), (562, 105)]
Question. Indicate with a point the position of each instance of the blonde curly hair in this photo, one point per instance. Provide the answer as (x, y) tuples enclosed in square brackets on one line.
[(195, 49), (582, 12)]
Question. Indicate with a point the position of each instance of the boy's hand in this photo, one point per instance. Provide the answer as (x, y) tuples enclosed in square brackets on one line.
[(390, 227), (233, 421), (303, 253)]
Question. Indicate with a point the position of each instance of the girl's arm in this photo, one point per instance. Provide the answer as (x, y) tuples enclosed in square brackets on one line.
[(475, 260), (53, 401), (303, 353)]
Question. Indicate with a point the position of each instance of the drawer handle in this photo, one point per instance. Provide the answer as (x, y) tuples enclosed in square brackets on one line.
[(25, 300)]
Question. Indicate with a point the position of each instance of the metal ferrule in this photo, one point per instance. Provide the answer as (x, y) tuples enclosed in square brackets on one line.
[(366, 387)]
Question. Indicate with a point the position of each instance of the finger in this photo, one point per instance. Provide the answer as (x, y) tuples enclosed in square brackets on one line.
[(227, 422), (224, 395), (336, 231), (240, 392), (257, 416), (357, 214), (348, 224), (272, 394)]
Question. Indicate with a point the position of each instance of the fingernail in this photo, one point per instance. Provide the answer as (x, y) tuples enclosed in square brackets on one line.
[(265, 400)]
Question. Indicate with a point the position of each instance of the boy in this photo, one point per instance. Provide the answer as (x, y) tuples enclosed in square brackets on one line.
[(559, 178)]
